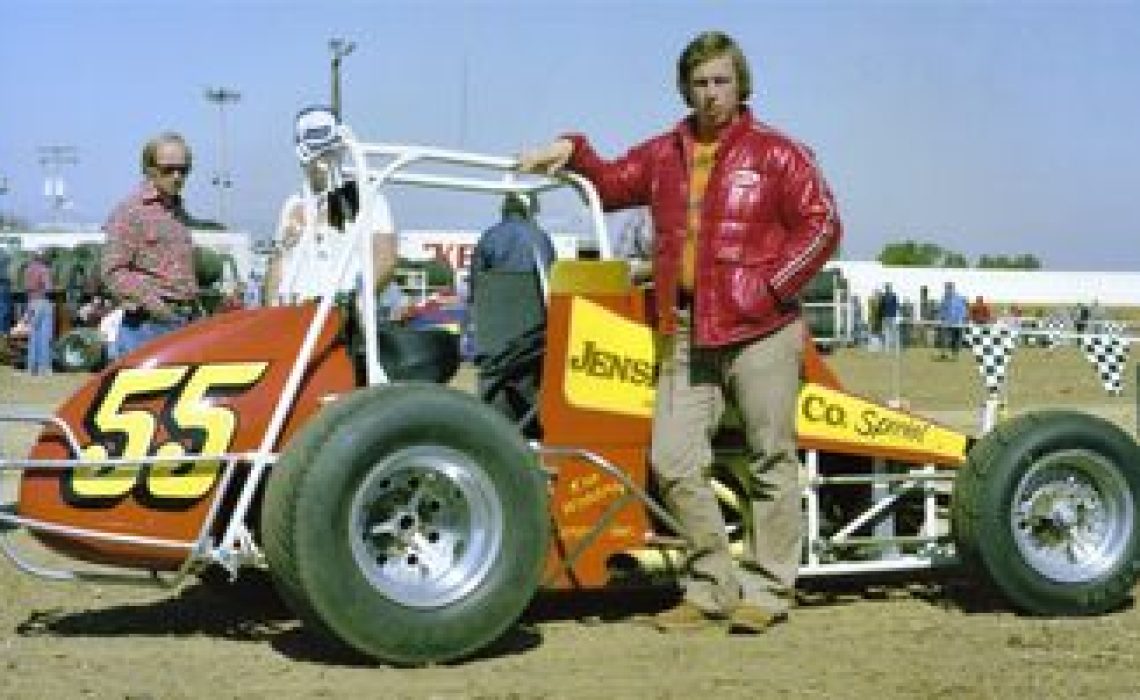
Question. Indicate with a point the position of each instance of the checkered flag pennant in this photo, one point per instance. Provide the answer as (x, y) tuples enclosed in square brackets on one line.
[(1113, 327), (1109, 355), (1054, 327), (992, 346)]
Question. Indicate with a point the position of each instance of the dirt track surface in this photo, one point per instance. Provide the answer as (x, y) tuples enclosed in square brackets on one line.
[(938, 637)]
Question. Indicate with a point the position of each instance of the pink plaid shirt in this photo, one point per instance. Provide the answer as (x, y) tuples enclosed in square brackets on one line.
[(37, 280), (148, 259)]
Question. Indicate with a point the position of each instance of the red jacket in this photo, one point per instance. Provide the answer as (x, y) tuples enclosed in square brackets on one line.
[(768, 223)]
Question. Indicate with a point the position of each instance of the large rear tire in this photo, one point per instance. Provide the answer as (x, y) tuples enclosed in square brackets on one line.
[(409, 522), (1046, 509)]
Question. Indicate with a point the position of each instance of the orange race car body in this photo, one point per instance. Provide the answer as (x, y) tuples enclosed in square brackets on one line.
[(212, 389)]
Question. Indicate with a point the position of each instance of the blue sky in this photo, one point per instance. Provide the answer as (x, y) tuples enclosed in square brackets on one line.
[(986, 127)]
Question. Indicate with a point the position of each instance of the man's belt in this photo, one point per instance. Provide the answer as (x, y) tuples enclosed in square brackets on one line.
[(181, 310)]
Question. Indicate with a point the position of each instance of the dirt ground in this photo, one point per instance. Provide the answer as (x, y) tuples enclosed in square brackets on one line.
[(938, 636)]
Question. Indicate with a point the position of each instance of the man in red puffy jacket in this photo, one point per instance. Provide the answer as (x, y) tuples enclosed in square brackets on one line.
[(743, 220)]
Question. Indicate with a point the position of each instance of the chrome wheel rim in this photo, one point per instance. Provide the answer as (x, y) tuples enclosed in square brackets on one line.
[(1073, 516), (426, 526)]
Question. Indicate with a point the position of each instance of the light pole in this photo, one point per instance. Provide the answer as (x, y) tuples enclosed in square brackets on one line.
[(222, 96), (52, 158), (3, 191), (339, 48)]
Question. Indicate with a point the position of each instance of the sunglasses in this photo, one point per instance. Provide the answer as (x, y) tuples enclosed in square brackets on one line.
[(181, 168)]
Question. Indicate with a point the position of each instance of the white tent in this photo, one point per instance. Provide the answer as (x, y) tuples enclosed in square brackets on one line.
[(1037, 287)]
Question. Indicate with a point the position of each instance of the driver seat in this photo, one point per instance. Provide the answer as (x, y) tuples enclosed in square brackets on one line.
[(417, 354)]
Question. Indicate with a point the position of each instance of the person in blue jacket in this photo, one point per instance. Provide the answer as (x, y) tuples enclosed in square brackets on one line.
[(952, 316)]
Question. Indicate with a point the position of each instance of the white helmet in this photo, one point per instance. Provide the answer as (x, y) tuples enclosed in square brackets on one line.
[(316, 132)]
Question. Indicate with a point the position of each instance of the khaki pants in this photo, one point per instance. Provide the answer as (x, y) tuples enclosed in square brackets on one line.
[(761, 380)]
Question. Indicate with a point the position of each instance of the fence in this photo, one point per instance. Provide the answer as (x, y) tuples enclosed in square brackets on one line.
[(829, 310)]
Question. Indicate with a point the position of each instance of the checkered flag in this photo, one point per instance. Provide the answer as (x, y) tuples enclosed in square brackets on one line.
[(1113, 327), (992, 346), (1054, 327), (1109, 355)]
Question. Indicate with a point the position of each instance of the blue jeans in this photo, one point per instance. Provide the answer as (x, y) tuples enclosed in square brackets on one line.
[(132, 336), (891, 334), (951, 340), (6, 319), (41, 330)]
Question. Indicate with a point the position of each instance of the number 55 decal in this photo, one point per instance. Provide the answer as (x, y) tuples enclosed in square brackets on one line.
[(188, 416)]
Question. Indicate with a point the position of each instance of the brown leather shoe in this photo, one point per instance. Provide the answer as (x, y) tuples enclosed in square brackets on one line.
[(751, 619), (686, 617)]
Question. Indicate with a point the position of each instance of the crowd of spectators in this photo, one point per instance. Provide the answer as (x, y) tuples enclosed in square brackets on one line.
[(888, 322)]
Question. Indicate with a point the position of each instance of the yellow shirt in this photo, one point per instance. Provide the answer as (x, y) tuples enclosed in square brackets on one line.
[(704, 155)]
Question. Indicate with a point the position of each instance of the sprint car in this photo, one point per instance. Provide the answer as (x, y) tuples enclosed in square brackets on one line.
[(413, 521)]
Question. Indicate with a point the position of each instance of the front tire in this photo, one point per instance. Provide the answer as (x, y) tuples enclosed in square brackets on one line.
[(1046, 508), (409, 522)]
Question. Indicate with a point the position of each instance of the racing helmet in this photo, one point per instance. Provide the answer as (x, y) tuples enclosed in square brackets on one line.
[(316, 132)]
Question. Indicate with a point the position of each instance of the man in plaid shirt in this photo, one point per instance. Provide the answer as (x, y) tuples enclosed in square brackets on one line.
[(148, 259), (40, 314)]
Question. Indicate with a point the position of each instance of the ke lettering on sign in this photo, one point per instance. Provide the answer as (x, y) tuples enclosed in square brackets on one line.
[(455, 255)]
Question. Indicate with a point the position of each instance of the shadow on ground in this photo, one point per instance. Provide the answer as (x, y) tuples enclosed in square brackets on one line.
[(246, 610), (250, 610), (956, 590)]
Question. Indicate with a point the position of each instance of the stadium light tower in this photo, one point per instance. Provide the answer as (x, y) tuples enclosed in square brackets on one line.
[(3, 191), (221, 97), (339, 48), (53, 158)]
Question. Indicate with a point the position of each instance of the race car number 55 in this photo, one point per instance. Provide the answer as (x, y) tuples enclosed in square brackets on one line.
[(191, 421)]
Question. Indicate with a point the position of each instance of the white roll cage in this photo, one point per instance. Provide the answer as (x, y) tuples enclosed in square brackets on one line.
[(375, 166)]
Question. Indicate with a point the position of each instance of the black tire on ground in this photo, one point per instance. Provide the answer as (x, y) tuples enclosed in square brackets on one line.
[(1046, 509), (409, 522), (208, 266)]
